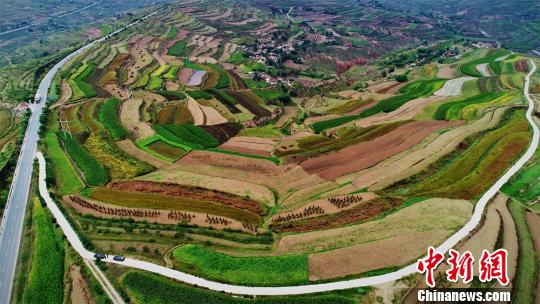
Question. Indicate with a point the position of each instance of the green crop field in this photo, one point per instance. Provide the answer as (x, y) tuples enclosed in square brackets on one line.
[(417, 89), (267, 270), (267, 131), (93, 171), (109, 118), (81, 89), (166, 202), (413, 90), (223, 80), (525, 186), (66, 177), (172, 73), (173, 31), (178, 49), (165, 151), (479, 166), (155, 84), (148, 288), (88, 116), (46, 278), (171, 137), (451, 110), (527, 259), (173, 95), (270, 95), (193, 134), (469, 68), (198, 94)]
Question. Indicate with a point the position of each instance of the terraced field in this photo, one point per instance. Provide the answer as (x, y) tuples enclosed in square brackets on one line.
[(203, 155)]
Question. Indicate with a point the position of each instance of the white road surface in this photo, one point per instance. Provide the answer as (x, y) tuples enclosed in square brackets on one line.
[(312, 288), (12, 219)]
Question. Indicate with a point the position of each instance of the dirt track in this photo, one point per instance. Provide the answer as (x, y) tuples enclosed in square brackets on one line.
[(360, 156)]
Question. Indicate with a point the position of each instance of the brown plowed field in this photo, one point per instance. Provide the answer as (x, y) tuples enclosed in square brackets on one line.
[(130, 148), (189, 192), (363, 155), (371, 256), (437, 215), (199, 218), (360, 213), (406, 164)]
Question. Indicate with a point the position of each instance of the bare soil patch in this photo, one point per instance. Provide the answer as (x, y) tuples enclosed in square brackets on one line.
[(295, 66), (433, 215), (371, 256), (405, 112), (228, 185), (130, 148), (195, 193), (407, 163), (110, 211), (363, 155), (130, 118), (359, 213), (80, 290), (445, 71)]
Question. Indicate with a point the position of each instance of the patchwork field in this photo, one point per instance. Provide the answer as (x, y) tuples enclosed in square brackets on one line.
[(270, 145)]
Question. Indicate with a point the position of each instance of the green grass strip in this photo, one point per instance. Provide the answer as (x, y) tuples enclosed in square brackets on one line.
[(149, 288), (252, 270), (93, 171), (46, 278), (109, 119), (526, 271), (67, 179)]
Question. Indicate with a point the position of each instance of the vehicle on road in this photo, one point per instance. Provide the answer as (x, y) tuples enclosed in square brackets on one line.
[(119, 258), (100, 256)]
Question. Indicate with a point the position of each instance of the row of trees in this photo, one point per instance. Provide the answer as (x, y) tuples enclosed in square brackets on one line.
[(308, 211), (114, 211), (342, 202)]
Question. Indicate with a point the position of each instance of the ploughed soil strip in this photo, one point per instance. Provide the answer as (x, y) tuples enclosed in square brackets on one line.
[(366, 154), (190, 192), (362, 212)]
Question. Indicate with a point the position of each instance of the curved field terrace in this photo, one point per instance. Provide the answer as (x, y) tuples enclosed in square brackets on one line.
[(193, 144)]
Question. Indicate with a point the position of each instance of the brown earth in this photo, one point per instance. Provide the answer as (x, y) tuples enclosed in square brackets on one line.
[(408, 163), (129, 116), (288, 113), (366, 154), (365, 257), (326, 205), (383, 87), (445, 72), (405, 112), (80, 290), (130, 148), (432, 215), (221, 184), (295, 66), (195, 193), (198, 219), (360, 213), (184, 75), (248, 144)]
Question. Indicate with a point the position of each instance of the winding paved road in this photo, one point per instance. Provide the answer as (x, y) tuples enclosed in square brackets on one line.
[(312, 288), (12, 220)]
